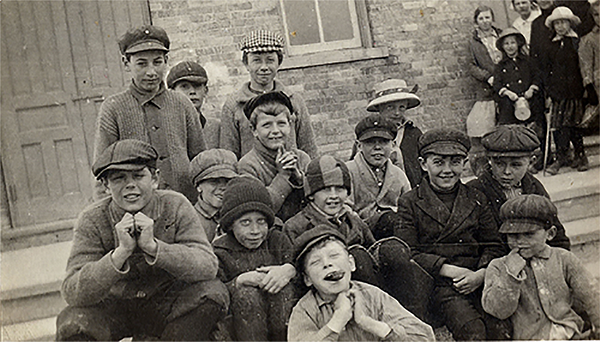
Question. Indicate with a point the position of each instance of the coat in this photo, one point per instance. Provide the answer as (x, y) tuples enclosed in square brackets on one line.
[(529, 186), (589, 58), (370, 200), (236, 133), (482, 67), (560, 67), (466, 237)]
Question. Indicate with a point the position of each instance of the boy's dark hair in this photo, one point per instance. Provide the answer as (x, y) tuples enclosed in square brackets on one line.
[(279, 56), (270, 98), (482, 9)]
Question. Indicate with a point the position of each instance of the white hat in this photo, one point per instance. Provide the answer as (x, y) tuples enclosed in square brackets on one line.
[(562, 12), (393, 90)]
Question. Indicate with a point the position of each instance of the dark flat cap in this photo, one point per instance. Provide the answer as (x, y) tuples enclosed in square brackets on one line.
[(304, 243), (144, 38), (510, 141), (128, 154), (274, 96), (444, 141), (186, 71), (527, 213), (375, 126)]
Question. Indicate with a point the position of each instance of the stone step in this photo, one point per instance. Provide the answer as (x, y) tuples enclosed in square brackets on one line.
[(37, 330)]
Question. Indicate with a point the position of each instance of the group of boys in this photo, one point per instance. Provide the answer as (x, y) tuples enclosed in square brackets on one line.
[(279, 246)]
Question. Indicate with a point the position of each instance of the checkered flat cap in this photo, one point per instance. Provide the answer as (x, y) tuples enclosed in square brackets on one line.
[(262, 41)]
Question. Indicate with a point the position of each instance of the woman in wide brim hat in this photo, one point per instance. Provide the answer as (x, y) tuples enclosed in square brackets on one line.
[(562, 13), (393, 90), (511, 31)]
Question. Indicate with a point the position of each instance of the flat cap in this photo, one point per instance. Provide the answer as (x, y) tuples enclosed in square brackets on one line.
[(324, 172), (444, 141), (143, 38), (527, 213), (274, 96), (304, 243), (213, 163), (186, 71), (128, 154), (510, 141), (262, 41), (375, 126)]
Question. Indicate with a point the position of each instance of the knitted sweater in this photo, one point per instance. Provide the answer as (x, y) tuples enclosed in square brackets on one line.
[(183, 254), (177, 135), (236, 133)]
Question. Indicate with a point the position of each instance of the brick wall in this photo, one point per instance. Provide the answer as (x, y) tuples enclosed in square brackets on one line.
[(427, 41)]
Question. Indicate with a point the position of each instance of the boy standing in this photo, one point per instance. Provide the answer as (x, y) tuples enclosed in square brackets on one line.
[(271, 161), (147, 111), (535, 285), (510, 151), (140, 263), (376, 182), (337, 308), (210, 172), (452, 233), (255, 263), (190, 79), (262, 55)]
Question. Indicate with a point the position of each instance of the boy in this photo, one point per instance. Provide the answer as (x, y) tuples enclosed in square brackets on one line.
[(255, 263), (510, 151), (392, 99), (190, 79), (452, 233), (210, 172), (535, 285), (147, 111), (376, 182), (140, 264), (277, 166), (337, 308), (262, 55)]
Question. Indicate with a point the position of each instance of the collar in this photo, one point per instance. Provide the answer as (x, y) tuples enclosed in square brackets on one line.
[(492, 33), (570, 34), (544, 253), (144, 97), (265, 153), (206, 210), (532, 16)]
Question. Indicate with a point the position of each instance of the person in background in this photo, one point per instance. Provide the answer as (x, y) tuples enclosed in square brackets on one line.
[(262, 55), (210, 172), (589, 62), (150, 112), (528, 11), (190, 78)]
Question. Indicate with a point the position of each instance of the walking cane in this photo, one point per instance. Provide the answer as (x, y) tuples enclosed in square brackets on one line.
[(548, 114)]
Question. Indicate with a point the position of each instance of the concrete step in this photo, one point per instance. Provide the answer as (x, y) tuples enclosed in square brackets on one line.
[(37, 330)]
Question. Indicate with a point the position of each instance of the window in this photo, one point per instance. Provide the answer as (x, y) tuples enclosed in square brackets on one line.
[(321, 32)]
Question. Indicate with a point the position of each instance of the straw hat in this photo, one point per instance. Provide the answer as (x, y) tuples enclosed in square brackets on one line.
[(393, 90), (562, 12)]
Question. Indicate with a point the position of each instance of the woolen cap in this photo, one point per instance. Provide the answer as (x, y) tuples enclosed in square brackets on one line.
[(213, 163), (144, 38), (307, 240), (375, 126), (527, 213), (273, 96), (128, 154), (242, 195), (393, 90), (510, 141), (511, 31), (324, 172), (186, 71), (262, 41), (562, 12), (444, 141)]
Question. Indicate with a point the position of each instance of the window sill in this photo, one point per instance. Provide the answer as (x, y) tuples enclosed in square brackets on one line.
[(333, 57)]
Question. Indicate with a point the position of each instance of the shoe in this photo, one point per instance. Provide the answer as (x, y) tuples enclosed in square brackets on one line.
[(584, 164), (553, 169)]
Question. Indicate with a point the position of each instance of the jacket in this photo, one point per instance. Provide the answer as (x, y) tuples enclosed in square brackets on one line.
[(481, 67)]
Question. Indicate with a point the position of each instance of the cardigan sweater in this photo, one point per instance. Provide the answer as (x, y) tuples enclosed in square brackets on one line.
[(369, 199), (176, 134), (236, 133), (183, 254), (287, 198)]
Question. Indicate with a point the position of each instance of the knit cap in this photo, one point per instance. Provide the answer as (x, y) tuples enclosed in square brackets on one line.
[(510, 141), (324, 172), (445, 142), (527, 213), (262, 41), (242, 195), (186, 71), (213, 163)]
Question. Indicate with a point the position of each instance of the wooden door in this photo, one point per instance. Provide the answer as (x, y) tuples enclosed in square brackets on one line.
[(59, 60)]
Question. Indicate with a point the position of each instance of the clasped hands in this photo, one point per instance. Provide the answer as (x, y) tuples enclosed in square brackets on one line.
[(134, 230), (351, 305), (287, 164), (268, 278)]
